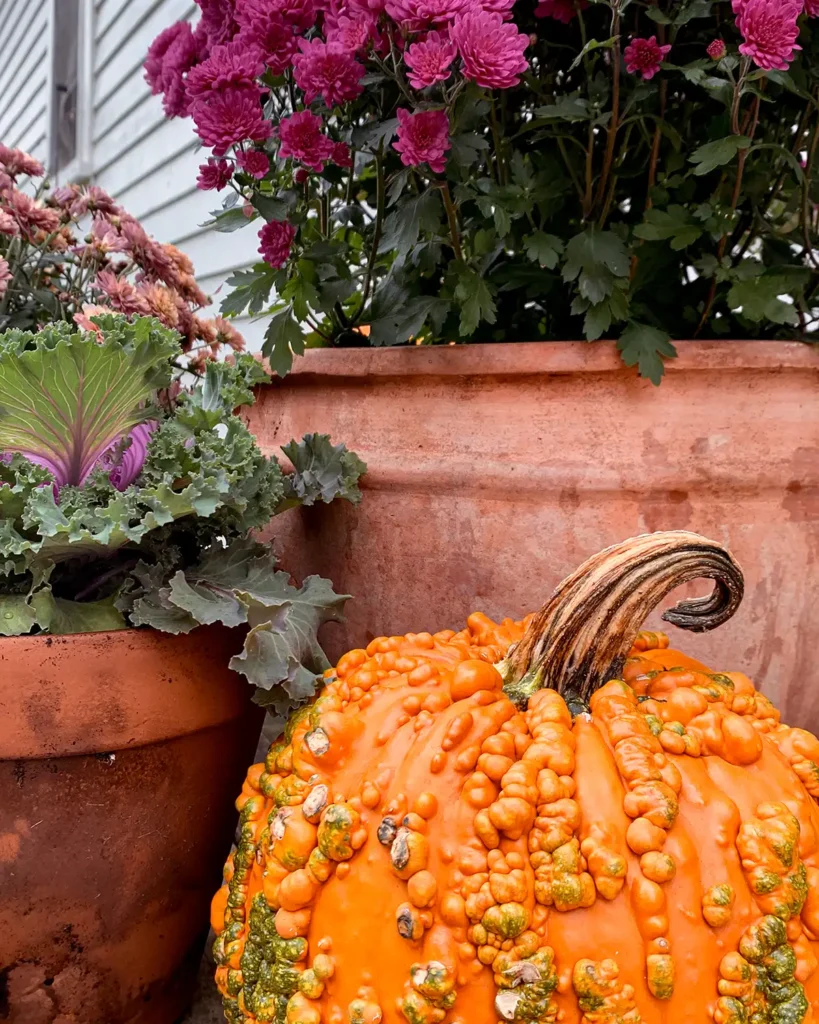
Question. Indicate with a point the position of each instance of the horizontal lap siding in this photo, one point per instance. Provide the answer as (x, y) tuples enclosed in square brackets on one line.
[(24, 75), (148, 163)]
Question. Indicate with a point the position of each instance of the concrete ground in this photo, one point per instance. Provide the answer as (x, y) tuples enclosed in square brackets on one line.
[(207, 1003)]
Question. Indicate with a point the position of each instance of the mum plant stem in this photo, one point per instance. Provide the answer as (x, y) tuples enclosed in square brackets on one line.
[(379, 222), (452, 217), (742, 157), (614, 123)]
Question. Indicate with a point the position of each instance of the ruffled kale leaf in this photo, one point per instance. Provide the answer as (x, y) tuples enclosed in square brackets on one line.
[(322, 471), (240, 585)]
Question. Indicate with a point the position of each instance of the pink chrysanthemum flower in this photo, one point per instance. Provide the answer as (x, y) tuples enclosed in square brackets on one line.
[(560, 10), (153, 259), (770, 30), (267, 31), (217, 21), (171, 55), (122, 295), (301, 138), (235, 63), (5, 277), (429, 60), (30, 215), (717, 49), (92, 198), (230, 116), (214, 174), (254, 162), (644, 57), (84, 322), (276, 240), (502, 7), (8, 225), (491, 49), (301, 14), (812, 8), (102, 239), (341, 155), (417, 14), (423, 138), (350, 29), (327, 70), (15, 162)]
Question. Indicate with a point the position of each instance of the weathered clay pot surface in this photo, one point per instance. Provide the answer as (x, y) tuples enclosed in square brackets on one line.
[(494, 470), (120, 757)]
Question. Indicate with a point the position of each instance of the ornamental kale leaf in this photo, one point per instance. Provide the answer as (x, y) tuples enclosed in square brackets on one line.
[(128, 501)]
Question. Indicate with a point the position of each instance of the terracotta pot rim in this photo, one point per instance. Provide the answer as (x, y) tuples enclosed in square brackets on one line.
[(49, 639), (513, 359), (83, 693)]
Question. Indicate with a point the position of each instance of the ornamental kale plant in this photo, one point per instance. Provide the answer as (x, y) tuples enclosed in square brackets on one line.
[(493, 170), (126, 500), (70, 252)]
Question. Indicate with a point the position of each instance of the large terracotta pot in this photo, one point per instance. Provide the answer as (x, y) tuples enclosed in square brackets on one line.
[(494, 470), (120, 757)]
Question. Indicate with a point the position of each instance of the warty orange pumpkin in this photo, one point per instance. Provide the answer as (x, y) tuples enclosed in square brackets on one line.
[(552, 820)]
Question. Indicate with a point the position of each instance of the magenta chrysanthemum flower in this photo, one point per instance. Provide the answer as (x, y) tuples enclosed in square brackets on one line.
[(812, 8), (217, 21), (5, 277), (769, 29), (234, 63), (491, 49), (214, 174), (644, 57), (327, 70), (349, 29), (254, 162), (230, 116), (301, 138), (417, 14), (423, 138), (256, 14), (170, 56), (429, 60), (264, 28), (717, 49), (502, 7), (15, 161), (560, 10), (341, 155), (276, 241)]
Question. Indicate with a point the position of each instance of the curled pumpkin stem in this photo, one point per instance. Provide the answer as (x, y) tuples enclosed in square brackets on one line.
[(582, 636)]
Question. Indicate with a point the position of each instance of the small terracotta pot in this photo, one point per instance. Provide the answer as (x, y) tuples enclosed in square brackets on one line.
[(496, 469), (121, 754)]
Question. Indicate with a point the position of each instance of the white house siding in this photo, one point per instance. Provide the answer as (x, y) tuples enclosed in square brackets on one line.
[(24, 75), (147, 163)]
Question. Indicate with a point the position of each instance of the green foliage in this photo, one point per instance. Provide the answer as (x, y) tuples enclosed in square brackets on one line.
[(171, 546), (670, 208)]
